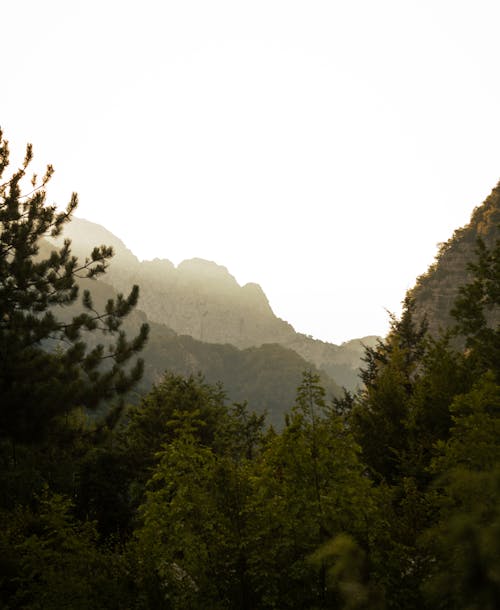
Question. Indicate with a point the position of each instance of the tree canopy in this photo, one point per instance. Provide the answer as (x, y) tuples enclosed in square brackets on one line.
[(381, 500)]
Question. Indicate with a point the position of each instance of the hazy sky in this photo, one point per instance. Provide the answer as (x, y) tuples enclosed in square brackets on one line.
[(319, 148)]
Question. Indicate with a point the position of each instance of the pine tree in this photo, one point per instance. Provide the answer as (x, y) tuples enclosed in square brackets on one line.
[(476, 310), (46, 368), (381, 414)]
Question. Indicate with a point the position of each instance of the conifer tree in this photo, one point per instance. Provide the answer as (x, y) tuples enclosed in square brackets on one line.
[(381, 415), (476, 310), (46, 368)]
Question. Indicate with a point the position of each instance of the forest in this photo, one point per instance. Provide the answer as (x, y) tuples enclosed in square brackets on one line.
[(387, 498)]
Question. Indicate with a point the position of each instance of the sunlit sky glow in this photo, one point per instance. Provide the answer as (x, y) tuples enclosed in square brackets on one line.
[(321, 149)]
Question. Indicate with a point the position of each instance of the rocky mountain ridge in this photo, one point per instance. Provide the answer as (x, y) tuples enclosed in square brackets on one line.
[(436, 290), (203, 300), (266, 377), (206, 321)]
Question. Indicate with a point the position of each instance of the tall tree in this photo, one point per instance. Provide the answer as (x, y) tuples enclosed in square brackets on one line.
[(192, 540), (465, 542), (46, 368), (309, 487), (381, 413)]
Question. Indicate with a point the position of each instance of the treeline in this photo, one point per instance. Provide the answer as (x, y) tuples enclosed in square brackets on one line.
[(265, 377), (387, 499)]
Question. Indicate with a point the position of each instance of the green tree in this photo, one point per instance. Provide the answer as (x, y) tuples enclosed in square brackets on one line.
[(428, 432), (191, 544), (476, 311), (308, 486), (151, 424), (49, 559), (465, 542), (179, 531), (397, 417), (47, 369), (382, 412)]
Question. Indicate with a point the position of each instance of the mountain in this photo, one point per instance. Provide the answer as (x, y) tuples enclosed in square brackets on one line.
[(266, 376), (203, 320), (203, 300), (436, 290)]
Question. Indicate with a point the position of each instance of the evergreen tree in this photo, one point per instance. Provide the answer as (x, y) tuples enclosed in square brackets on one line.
[(381, 415), (46, 368), (476, 311)]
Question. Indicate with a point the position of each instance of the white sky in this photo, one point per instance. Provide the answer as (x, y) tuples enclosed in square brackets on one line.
[(319, 148)]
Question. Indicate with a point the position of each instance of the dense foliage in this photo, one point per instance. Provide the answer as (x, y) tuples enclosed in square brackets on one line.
[(387, 499)]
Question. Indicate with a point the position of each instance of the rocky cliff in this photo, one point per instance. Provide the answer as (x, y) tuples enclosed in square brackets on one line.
[(436, 290)]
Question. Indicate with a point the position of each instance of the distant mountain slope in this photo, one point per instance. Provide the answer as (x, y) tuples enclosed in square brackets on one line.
[(203, 300), (266, 376), (436, 290)]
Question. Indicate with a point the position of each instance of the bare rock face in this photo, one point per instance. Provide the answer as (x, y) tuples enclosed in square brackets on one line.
[(436, 290), (202, 299)]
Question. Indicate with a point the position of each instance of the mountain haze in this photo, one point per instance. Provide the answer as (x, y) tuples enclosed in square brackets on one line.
[(203, 320), (266, 376), (203, 300)]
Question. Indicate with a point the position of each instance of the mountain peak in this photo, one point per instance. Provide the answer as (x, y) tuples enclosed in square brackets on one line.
[(200, 266), (85, 235)]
